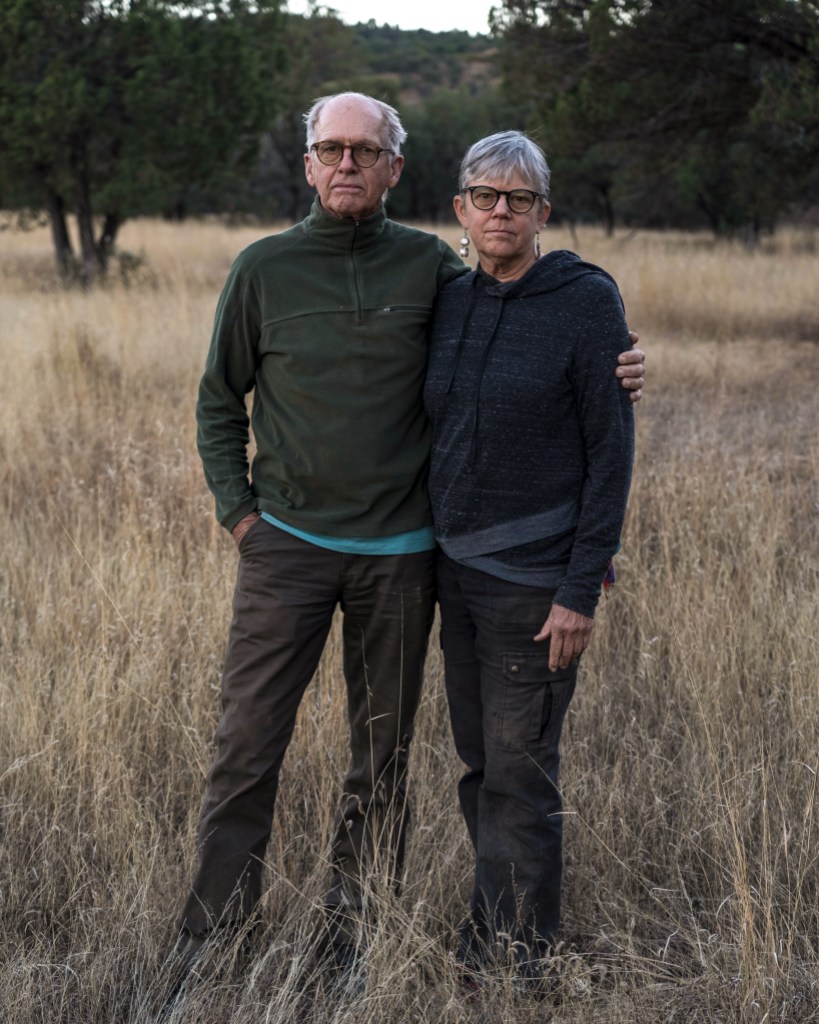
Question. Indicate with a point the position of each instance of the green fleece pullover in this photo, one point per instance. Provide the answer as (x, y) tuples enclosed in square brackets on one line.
[(327, 324)]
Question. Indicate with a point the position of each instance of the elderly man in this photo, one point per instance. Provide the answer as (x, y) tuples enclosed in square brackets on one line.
[(326, 324)]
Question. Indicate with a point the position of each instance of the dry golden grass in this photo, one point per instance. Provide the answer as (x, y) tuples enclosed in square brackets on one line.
[(690, 757)]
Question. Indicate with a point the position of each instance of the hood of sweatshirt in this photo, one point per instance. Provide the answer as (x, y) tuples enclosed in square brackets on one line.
[(553, 270)]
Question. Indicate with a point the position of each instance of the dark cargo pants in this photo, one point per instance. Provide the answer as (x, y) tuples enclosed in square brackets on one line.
[(286, 594), (507, 712)]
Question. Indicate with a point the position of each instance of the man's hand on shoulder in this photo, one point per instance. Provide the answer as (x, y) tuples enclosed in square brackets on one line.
[(631, 368)]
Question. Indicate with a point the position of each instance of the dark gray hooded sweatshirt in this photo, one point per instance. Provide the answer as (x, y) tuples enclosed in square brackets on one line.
[(533, 435)]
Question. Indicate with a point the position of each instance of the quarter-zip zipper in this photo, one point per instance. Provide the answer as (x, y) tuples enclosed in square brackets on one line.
[(359, 304)]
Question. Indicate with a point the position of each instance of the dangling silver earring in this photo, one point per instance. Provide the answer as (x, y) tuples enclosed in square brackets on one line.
[(463, 252), (537, 246)]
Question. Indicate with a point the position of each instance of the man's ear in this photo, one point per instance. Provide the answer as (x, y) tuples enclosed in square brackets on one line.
[(308, 170), (397, 167)]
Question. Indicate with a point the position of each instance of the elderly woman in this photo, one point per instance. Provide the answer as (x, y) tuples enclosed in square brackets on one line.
[(531, 462)]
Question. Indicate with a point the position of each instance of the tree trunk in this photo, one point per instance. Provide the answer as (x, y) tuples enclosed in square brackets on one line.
[(85, 225), (294, 200), (711, 213), (608, 209), (751, 232), (63, 251), (105, 246), (91, 266)]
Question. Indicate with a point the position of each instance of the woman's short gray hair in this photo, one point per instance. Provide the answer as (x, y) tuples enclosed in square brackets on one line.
[(394, 132), (498, 157)]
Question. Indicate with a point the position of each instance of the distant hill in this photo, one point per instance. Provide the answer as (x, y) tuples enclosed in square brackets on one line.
[(418, 62)]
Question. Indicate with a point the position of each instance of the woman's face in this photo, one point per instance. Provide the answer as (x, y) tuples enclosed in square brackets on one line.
[(500, 234)]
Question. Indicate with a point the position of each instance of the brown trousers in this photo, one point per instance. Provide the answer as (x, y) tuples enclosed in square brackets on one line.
[(286, 593)]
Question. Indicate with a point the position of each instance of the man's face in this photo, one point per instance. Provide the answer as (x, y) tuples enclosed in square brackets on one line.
[(345, 189)]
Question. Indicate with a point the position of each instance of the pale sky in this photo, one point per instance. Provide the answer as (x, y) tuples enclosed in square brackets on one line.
[(435, 15)]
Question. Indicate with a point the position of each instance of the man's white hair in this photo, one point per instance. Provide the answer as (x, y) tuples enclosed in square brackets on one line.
[(394, 131)]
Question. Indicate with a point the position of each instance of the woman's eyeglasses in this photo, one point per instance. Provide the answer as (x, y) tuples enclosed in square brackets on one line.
[(519, 200)]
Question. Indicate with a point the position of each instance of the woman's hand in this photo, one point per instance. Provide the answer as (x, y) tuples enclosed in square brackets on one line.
[(568, 633)]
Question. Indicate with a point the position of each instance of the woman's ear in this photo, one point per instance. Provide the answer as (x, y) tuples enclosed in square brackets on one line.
[(460, 210)]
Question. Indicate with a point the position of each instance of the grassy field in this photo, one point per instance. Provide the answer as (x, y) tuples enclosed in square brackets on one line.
[(691, 751)]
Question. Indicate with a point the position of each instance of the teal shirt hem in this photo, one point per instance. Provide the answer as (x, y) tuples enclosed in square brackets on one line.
[(409, 543)]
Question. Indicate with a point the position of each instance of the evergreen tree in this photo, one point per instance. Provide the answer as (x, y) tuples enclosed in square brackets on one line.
[(708, 106), (111, 107)]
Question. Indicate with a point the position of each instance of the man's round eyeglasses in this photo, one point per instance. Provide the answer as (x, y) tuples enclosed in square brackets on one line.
[(519, 200), (363, 154)]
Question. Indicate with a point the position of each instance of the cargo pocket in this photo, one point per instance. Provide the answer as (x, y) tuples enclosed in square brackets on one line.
[(534, 700)]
